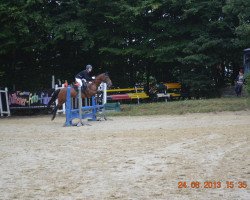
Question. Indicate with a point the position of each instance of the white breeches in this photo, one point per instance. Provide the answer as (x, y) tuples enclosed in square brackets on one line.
[(78, 80)]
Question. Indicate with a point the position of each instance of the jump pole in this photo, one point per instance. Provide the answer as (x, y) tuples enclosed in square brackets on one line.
[(94, 108), (2, 112), (68, 108), (80, 123), (104, 101)]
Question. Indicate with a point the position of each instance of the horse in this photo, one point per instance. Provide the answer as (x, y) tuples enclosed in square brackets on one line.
[(90, 91)]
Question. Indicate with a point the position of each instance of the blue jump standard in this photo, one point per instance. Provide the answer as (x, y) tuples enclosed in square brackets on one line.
[(74, 113)]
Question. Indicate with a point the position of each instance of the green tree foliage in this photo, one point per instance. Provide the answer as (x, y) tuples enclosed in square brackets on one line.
[(191, 41), (238, 12)]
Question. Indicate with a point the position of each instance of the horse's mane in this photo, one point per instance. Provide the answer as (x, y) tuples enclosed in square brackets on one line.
[(100, 78)]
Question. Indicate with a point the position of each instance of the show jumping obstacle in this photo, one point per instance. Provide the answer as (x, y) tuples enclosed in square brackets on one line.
[(83, 112)]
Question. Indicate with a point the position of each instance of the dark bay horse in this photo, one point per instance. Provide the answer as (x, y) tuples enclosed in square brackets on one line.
[(90, 91)]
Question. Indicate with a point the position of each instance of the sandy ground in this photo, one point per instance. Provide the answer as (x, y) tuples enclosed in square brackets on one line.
[(126, 157)]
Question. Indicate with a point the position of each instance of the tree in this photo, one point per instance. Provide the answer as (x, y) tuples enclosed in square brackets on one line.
[(190, 41)]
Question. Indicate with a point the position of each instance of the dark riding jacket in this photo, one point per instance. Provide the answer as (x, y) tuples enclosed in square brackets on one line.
[(84, 75), (240, 80)]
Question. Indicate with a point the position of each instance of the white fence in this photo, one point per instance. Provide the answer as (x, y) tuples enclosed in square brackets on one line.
[(63, 110), (2, 105)]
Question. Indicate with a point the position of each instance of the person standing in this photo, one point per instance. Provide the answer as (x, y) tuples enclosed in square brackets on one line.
[(239, 83)]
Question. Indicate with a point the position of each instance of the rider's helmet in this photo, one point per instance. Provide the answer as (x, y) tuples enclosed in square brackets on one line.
[(89, 68)]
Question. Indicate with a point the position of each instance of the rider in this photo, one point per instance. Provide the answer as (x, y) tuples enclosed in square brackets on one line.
[(83, 76)]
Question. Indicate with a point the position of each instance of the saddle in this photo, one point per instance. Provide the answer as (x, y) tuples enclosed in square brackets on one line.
[(83, 87)]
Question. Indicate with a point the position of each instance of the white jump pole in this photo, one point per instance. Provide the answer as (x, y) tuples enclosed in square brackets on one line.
[(63, 110), (104, 101), (53, 82), (5, 91), (80, 123)]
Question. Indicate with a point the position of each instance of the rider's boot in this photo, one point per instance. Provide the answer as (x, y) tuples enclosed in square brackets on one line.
[(84, 86)]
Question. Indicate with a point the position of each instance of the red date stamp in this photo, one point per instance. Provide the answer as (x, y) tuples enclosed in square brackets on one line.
[(212, 184)]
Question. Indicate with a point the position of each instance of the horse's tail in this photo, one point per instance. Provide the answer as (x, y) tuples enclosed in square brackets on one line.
[(53, 98), (54, 112)]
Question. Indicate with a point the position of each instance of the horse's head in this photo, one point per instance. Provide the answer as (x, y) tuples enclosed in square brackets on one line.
[(107, 80), (104, 78)]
